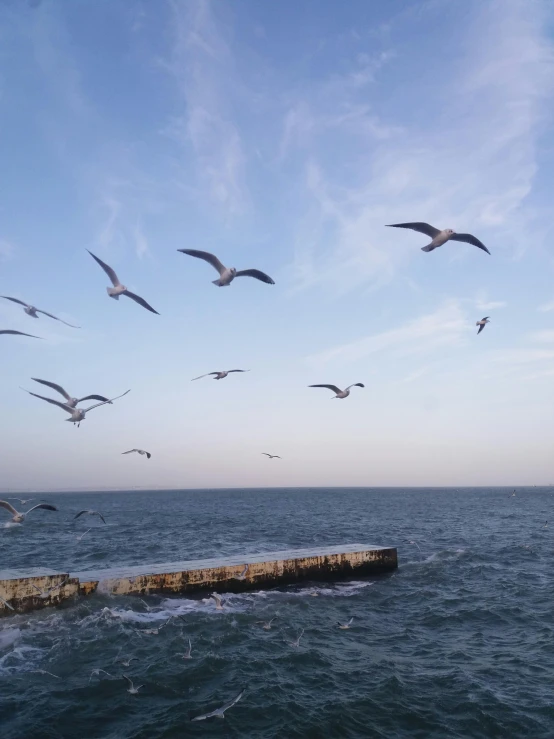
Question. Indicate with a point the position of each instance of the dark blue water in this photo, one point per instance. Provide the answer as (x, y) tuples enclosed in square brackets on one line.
[(459, 642)]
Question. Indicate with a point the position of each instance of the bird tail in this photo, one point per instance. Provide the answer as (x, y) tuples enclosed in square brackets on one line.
[(216, 282), (429, 247)]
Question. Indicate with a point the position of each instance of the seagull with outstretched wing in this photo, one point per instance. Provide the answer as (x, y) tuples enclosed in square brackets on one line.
[(18, 517), (220, 712), (89, 513), (11, 332), (119, 289), (338, 392), (226, 274), (30, 310), (69, 400), (138, 451), (482, 323), (438, 237), (218, 375), (76, 414)]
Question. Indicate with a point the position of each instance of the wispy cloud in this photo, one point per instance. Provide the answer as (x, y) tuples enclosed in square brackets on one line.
[(202, 66), (447, 326), (543, 337), (546, 307), (471, 166), (490, 304), (6, 250)]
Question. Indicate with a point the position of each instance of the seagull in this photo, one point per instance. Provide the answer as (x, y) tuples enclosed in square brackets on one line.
[(226, 274), (243, 574), (119, 289), (5, 602), (267, 624), (45, 672), (271, 456), (545, 525), (220, 712), (90, 513), (132, 689), (151, 632), (346, 625), (218, 601), (218, 375), (23, 501), (76, 414), (514, 494), (138, 451), (46, 593), (187, 654), (71, 402), (415, 542), (339, 393), (20, 517), (296, 642), (482, 323), (97, 672), (30, 310), (439, 237), (18, 333), (127, 662), (79, 538)]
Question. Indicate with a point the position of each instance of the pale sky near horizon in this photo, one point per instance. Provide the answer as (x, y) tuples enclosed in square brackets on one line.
[(282, 136)]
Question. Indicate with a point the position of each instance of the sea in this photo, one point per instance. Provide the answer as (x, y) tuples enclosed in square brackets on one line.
[(458, 642)]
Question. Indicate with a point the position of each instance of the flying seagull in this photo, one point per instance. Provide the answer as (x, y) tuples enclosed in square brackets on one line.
[(271, 456), (267, 624), (296, 642), (187, 654), (482, 323), (218, 601), (97, 672), (80, 537), (220, 712), (127, 662), (46, 593), (23, 501), (227, 274), (138, 451), (76, 414), (339, 393), (132, 689), (90, 513), (346, 625), (18, 333), (218, 375), (70, 401), (30, 310), (5, 602), (440, 237), (20, 517), (243, 574), (119, 289)]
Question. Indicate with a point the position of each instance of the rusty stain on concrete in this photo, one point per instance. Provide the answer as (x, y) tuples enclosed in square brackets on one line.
[(264, 571)]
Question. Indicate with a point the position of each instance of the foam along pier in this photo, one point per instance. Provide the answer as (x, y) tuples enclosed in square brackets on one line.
[(229, 574)]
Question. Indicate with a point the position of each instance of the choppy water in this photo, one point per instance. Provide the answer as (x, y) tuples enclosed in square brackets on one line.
[(459, 642)]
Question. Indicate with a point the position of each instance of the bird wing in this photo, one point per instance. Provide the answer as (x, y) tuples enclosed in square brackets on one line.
[(334, 388), (207, 257), (53, 385), (205, 716), (469, 239), (107, 401), (232, 702), (18, 333), (107, 269), (14, 300), (128, 680), (140, 301), (47, 506), (130, 451), (95, 397), (424, 228), (97, 513), (56, 318), (257, 274), (8, 507), (486, 318), (238, 371), (481, 327), (80, 514), (356, 384), (206, 375), (265, 454), (349, 622), (148, 455), (63, 406)]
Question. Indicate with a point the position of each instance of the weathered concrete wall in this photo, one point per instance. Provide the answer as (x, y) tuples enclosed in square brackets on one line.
[(269, 570)]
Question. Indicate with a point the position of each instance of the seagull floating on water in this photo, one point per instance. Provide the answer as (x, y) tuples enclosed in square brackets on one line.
[(119, 289), (76, 414), (69, 401), (439, 237), (271, 456), (138, 451), (132, 689), (89, 513), (482, 323), (339, 393), (220, 712), (18, 333), (267, 624), (218, 375), (296, 642), (20, 517), (346, 625), (218, 601), (30, 310), (227, 274)]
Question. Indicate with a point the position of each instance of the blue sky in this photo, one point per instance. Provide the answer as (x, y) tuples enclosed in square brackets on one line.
[(282, 136)]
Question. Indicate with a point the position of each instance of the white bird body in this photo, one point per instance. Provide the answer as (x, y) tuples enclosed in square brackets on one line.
[(18, 517), (339, 393), (227, 276), (346, 625), (132, 689), (218, 601)]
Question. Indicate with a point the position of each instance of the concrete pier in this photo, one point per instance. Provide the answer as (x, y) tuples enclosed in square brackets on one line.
[(195, 576)]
